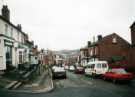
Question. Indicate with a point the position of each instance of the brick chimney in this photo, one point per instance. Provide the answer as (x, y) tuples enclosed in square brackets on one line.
[(5, 12), (19, 27), (132, 28), (99, 37), (89, 43)]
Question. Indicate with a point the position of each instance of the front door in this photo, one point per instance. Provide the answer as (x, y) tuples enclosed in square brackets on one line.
[(8, 56)]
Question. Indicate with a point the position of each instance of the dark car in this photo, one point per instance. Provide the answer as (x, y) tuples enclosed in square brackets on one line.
[(118, 74), (79, 70)]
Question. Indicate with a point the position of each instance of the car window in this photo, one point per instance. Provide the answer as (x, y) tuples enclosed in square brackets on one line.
[(104, 65), (92, 66), (88, 67), (98, 65), (79, 67)]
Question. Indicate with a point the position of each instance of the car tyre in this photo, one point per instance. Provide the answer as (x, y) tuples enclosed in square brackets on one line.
[(65, 77), (104, 78)]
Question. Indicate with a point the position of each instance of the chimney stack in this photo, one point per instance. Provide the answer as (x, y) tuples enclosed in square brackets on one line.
[(89, 43), (99, 37), (5, 12), (132, 28), (19, 27)]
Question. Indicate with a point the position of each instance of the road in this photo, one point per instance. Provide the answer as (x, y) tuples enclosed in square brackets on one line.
[(81, 86)]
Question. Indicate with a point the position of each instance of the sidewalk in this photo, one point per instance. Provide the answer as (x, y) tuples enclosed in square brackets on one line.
[(7, 78), (41, 84)]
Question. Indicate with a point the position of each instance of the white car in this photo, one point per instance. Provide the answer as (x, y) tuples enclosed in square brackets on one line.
[(58, 71), (71, 68), (96, 68)]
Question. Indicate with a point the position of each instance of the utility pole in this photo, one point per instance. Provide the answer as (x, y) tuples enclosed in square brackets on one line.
[(94, 47)]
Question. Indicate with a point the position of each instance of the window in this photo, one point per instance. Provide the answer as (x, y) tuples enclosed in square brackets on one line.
[(98, 65), (20, 57), (114, 40), (8, 55), (92, 66), (91, 53), (104, 65), (11, 32), (6, 29), (18, 35)]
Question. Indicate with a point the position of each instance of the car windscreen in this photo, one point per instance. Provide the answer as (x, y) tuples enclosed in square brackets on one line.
[(120, 71), (79, 67), (90, 66)]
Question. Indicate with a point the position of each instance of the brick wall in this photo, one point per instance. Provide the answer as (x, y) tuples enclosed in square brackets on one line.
[(107, 48)]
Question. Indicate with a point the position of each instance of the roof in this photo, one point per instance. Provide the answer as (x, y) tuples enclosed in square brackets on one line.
[(110, 35), (132, 24), (2, 18), (82, 49)]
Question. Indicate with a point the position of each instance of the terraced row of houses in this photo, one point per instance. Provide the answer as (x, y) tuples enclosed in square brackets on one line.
[(15, 46), (112, 48)]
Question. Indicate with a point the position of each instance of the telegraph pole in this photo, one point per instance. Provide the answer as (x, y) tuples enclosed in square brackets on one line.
[(94, 47)]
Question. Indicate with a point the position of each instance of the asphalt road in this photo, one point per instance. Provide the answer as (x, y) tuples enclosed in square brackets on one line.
[(82, 86)]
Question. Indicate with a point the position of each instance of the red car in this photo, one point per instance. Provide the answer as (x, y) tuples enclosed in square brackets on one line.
[(79, 70), (118, 74)]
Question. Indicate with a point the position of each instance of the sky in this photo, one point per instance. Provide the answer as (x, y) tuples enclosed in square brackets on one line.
[(69, 24)]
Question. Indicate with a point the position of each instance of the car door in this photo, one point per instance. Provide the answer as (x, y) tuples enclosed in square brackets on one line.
[(98, 68), (88, 70), (104, 68)]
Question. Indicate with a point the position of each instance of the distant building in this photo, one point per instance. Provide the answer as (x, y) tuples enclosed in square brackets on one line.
[(59, 59), (47, 57)]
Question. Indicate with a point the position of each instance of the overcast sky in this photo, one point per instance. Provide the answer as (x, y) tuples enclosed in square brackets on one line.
[(69, 24)]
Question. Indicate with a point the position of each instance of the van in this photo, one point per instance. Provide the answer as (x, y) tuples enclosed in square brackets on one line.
[(96, 68)]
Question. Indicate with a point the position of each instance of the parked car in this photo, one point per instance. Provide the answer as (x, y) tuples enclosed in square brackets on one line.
[(96, 68), (71, 68), (66, 67), (79, 70), (118, 74), (58, 71)]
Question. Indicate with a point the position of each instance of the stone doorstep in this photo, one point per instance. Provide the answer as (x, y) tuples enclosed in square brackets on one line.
[(17, 85), (35, 85), (11, 84)]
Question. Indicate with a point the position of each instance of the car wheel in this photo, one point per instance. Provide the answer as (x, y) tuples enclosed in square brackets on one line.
[(104, 78)]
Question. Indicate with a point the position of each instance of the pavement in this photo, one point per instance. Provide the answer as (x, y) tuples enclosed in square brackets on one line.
[(8, 78), (41, 84)]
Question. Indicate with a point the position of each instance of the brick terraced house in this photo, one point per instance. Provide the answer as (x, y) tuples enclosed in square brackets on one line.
[(111, 48)]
